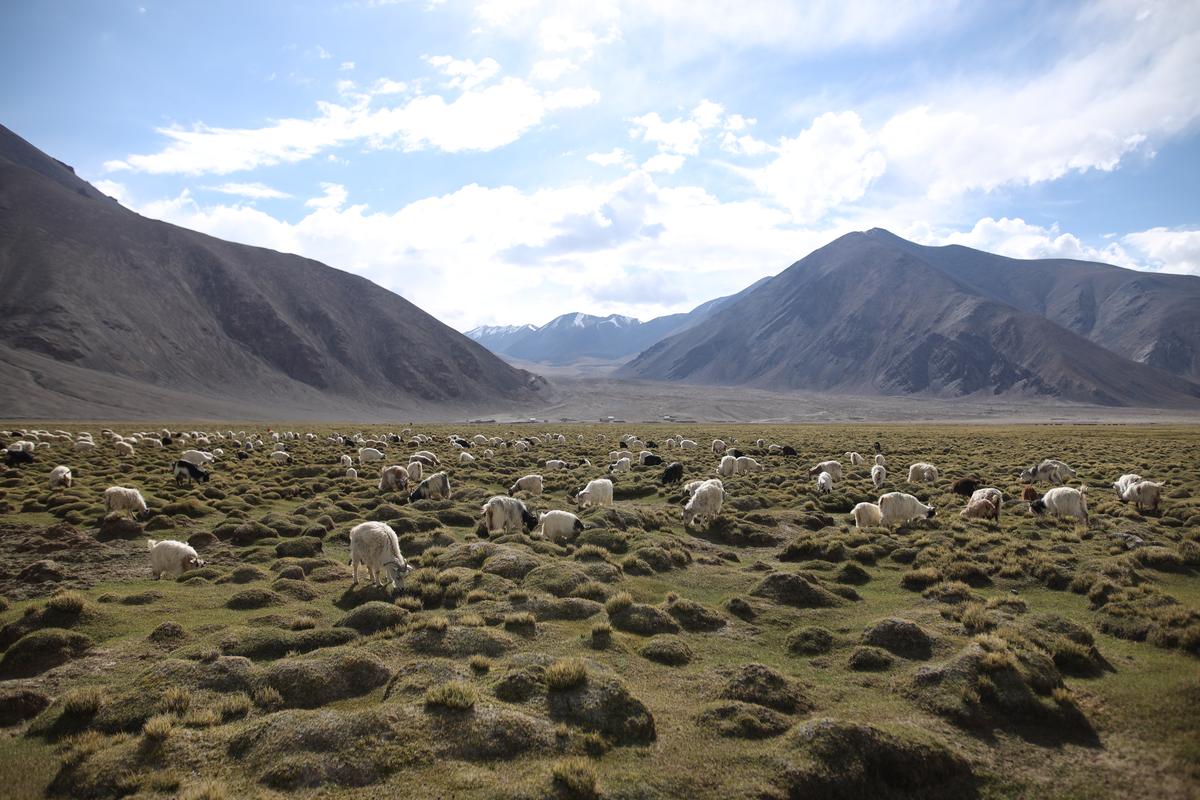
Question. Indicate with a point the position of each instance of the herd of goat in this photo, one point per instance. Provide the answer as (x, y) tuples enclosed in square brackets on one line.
[(375, 545)]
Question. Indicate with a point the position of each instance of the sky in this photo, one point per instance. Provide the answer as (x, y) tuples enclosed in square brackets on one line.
[(507, 161)]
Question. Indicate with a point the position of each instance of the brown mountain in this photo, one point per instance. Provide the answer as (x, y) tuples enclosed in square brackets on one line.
[(872, 313), (105, 313)]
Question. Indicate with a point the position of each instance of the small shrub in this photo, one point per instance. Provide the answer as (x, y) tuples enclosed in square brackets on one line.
[(455, 695), (235, 706), (566, 673), (480, 664), (82, 703), (975, 618), (618, 603), (201, 718), (159, 727), (574, 778), (70, 603), (176, 700), (520, 620), (437, 623), (268, 698), (601, 635), (919, 579)]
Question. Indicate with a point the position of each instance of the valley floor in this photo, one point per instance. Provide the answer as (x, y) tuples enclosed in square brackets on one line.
[(776, 652)]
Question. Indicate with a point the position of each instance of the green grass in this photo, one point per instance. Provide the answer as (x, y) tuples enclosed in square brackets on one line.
[(470, 615)]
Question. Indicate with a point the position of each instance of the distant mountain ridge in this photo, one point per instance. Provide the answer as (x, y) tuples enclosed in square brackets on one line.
[(571, 337), (871, 313), (98, 301)]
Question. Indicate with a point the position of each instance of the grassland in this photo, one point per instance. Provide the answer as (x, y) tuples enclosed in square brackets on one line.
[(778, 652)]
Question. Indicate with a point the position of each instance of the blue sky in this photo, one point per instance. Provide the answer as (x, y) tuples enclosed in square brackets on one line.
[(510, 160)]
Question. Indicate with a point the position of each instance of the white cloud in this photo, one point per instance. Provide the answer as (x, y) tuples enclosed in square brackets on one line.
[(612, 158), (334, 196), (254, 191), (1167, 250), (831, 163), (664, 162), (480, 118), (1016, 238), (426, 252), (113, 189), (323, 54), (681, 135), (549, 70), (1130, 83), (385, 86), (346, 66), (464, 73)]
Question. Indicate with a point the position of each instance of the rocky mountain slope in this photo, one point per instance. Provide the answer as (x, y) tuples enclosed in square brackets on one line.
[(871, 313), (100, 302)]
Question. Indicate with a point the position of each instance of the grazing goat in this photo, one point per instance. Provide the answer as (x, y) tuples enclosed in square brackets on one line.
[(834, 468), (186, 472), (898, 508), (867, 515), (375, 546), (672, 474), (60, 476), (1051, 470), (172, 558), (560, 526), (705, 503), (1144, 494), (393, 479), (598, 492), (502, 514), (965, 486), (435, 487), (1063, 501), (982, 508), (922, 473), (530, 484), (878, 476)]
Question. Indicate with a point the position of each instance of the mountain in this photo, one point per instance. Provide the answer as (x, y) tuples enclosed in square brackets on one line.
[(873, 314), (499, 337), (107, 313), (571, 337), (1148, 317)]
